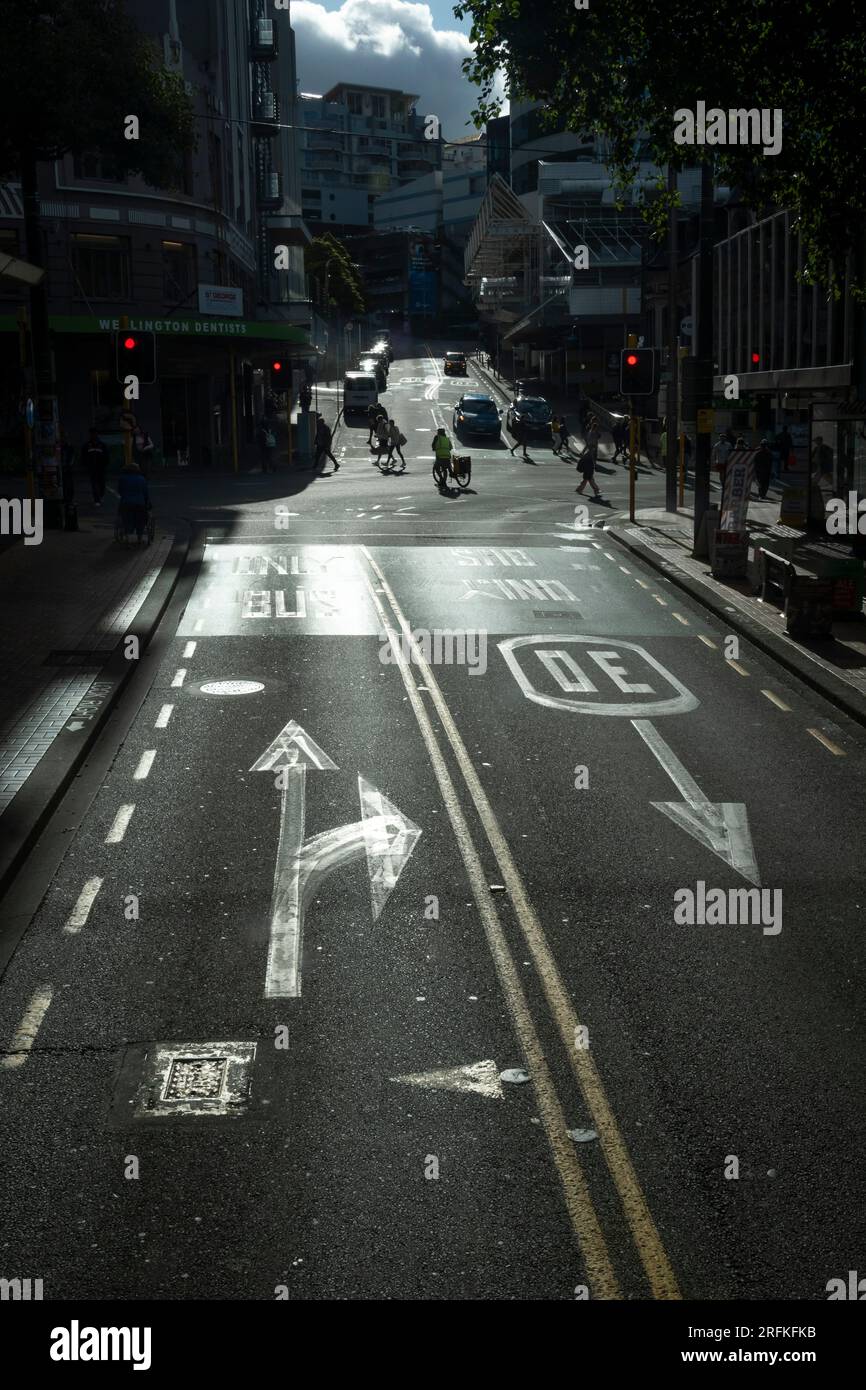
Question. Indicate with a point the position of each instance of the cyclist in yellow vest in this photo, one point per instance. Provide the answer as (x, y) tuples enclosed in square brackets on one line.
[(442, 445)]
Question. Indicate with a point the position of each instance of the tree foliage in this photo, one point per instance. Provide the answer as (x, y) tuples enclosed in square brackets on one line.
[(70, 72), (622, 69), (344, 286)]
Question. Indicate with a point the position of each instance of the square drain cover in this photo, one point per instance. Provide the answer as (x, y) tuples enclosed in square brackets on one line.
[(196, 1079)]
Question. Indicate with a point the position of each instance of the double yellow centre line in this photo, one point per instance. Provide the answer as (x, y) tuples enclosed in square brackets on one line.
[(599, 1266)]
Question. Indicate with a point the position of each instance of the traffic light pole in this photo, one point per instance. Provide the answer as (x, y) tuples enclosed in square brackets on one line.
[(704, 392), (632, 474), (672, 414)]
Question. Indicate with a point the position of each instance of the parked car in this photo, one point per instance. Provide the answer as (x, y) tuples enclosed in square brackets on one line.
[(359, 392), (455, 364), (476, 414), (372, 364), (533, 412)]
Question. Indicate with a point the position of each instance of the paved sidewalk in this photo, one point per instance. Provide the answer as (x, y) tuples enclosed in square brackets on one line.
[(65, 607), (836, 667)]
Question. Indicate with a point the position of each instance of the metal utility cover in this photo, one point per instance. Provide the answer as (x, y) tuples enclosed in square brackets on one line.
[(211, 1078)]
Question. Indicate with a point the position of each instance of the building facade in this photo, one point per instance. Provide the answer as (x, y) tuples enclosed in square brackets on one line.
[(193, 265)]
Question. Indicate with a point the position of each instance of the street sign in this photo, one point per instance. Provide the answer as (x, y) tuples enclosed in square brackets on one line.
[(687, 326)]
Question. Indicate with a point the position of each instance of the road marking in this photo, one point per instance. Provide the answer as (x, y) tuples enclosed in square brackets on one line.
[(737, 667), (28, 1028), (145, 763), (624, 570), (81, 911), (163, 717), (780, 704), (121, 821), (723, 826), (662, 601), (188, 650), (680, 619), (179, 677), (643, 583), (706, 641), (552, 651), (481, 1078), (609, 556), (828, 743), (584, 1219), (198, 625)]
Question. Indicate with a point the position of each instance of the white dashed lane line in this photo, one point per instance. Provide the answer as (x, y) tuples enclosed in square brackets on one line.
[(121, 822), (828, 743), (163, 717), (81, 911), (741, 670), (179, 677), (774, 699), (680, 619), (145, 763), (28, 1028), (188, 650), (706, 641)]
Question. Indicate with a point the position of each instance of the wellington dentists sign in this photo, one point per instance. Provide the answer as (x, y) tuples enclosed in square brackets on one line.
[(175, 327)]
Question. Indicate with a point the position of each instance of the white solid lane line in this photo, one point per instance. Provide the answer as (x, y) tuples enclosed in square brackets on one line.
[(188, 650), (121, 821), (179, 677), (28, 1028), (144, 765), (81, 910), (163, 717)]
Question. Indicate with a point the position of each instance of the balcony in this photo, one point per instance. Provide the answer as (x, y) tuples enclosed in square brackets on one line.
[(325, 140), (270, 190), (263, 40), (266, 113)]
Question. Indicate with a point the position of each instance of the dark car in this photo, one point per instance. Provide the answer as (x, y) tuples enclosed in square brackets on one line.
[(532, 412), (455, 364), (529, 386), (477, 414)]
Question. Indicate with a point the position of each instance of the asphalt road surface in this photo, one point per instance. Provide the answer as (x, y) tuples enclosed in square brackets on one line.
[(271, 1026)]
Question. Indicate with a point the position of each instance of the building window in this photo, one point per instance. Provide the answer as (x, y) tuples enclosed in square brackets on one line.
[(8, 241), (378, 106), (215, 161), (101, 266), (356, 104), (95, 166), (179, 271)]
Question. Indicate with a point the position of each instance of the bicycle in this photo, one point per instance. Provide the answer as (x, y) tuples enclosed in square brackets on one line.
[(456, 466)]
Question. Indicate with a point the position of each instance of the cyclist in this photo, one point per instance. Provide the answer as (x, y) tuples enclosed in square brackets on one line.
[(441, 447)]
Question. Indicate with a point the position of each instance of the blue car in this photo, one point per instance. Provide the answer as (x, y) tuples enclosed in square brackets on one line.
[(476, 414)]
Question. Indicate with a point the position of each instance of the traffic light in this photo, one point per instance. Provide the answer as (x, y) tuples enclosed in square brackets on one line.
[(136, 356), (281, 373), (637, 371), (756, 359)]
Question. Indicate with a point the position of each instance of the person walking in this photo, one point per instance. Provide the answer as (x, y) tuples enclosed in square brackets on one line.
[(94, 457), (396, 440), (619, 435), (374, 413), (381, 431), (518, 429), (564, 436), (554, 434), (722, 450), (586, 462), (763, 468), (134, 498), (324, 439)]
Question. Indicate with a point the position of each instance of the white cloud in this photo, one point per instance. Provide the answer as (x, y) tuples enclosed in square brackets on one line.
[(386, 43)]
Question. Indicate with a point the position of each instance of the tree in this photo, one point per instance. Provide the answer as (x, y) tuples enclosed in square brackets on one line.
[(327, 253), (623, 69), (71, 73)]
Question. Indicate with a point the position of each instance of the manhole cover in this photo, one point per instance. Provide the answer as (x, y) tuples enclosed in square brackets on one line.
[(212, 1078), (231, 688)]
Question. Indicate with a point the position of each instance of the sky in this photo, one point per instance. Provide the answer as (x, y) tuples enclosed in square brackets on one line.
[(408, 44)]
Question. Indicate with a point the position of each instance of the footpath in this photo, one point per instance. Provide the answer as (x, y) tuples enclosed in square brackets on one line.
[(835, 667), (66, 606)]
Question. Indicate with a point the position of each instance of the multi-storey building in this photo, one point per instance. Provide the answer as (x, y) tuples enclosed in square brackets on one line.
[(194, 265), (359, 142)]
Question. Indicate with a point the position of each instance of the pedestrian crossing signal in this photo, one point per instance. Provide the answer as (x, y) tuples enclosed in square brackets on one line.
[(637, 371), (136, 356)]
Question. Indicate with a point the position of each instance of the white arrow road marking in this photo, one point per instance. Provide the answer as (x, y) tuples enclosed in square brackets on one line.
[(722, 827), (384, 837), (480, 1077)]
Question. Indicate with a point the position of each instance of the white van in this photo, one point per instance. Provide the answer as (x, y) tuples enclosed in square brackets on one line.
[(359, 392)]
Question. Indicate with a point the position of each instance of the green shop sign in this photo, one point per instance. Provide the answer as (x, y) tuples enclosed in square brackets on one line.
[(189, 327)]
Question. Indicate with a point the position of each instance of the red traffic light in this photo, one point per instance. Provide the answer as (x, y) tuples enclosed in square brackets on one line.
[(130, 343), (276, 366), (631, 360), (756, 357)]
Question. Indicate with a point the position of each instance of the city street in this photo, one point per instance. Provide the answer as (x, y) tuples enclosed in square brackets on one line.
[(363, 974)]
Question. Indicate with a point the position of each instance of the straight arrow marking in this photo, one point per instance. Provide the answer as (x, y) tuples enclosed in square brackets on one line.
[(723, 827)]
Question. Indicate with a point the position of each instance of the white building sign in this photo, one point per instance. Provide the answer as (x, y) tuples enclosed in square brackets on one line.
[(221, 299)]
